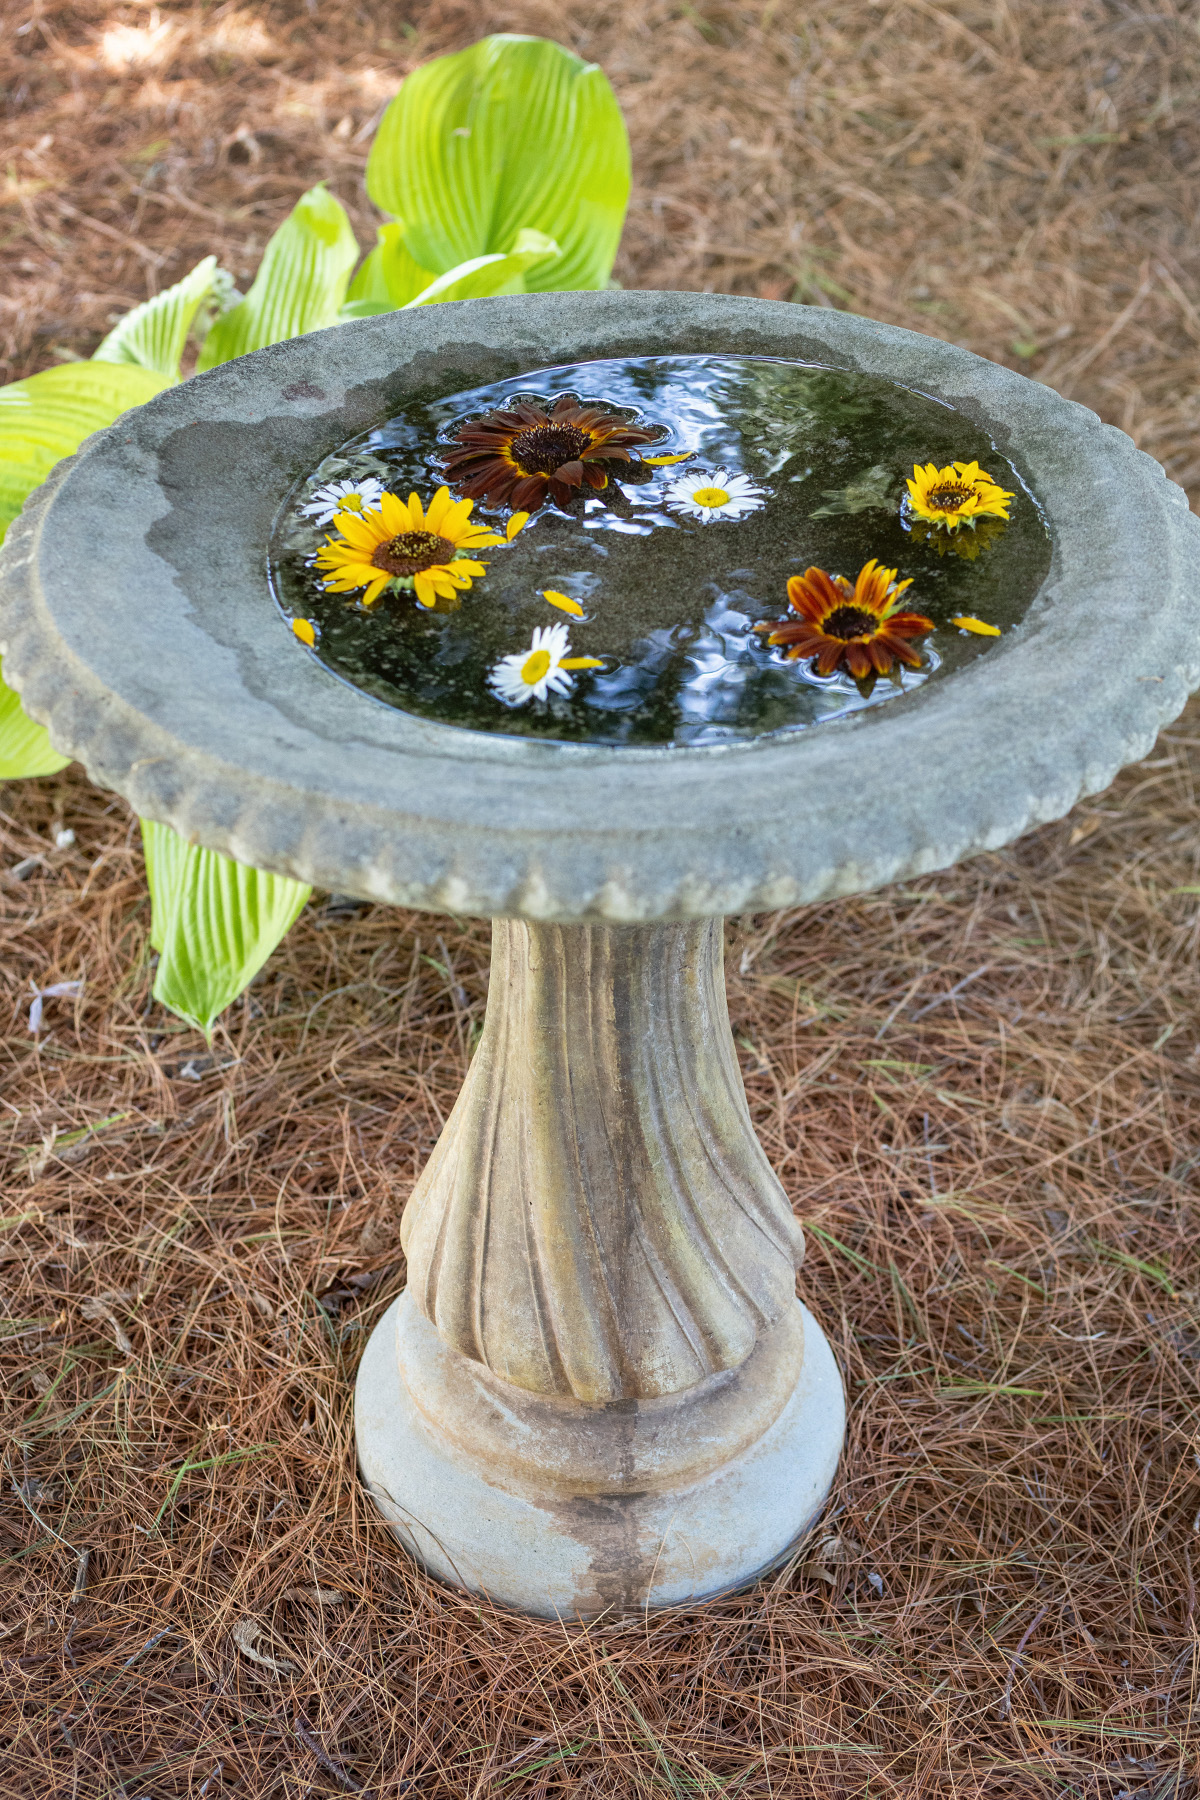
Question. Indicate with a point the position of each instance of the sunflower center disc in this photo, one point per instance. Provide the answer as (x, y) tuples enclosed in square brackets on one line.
[(541, 449), (412, 551), (948, 499), (850, 622)]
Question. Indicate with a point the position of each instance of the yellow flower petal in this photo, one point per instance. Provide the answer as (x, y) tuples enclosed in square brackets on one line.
[(966, 623), (563, 602), (661, 462), (425, 591), (517, 523), (440, 511), (396, 516), (304, 632), (376, 588), (581, 662), (361, 531)]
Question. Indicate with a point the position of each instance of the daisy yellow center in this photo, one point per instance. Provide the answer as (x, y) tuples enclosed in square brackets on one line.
[(848, 622), (950, 499), (710, 496), (409, 552), (541, 449), (535, 667)]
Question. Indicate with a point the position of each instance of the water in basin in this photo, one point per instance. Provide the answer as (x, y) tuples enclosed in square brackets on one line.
[(657, 582)]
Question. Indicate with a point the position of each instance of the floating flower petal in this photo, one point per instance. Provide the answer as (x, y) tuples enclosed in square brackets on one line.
[(523, 455), (715, 494), (663, 462), (966, 623), (563, 602), (958, 494), (342, 496), (518, 522), (856, 628), (404, 542), (304, 632), (541, 670)]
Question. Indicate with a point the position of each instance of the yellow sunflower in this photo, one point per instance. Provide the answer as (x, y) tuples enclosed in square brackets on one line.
[(400, 540), (960, 494)]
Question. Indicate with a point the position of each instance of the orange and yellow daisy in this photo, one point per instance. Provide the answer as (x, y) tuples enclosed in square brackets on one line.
[(858, 628), (400, 540), (959, 494)]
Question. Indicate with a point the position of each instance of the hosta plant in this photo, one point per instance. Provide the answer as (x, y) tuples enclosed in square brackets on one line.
[(505, 170)]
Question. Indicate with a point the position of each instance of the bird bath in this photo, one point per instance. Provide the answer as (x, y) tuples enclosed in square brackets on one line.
[(599, 1390)]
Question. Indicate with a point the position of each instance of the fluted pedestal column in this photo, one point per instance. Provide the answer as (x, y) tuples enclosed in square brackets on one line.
[(599, 1390)]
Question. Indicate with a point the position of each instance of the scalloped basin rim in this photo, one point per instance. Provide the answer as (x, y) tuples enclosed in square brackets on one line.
[(136, 622)]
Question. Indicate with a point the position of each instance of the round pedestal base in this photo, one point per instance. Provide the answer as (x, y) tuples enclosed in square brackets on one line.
[(552, 1552)]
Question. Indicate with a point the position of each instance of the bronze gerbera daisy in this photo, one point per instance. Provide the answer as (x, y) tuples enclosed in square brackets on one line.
[(523, 455), (857, 628)]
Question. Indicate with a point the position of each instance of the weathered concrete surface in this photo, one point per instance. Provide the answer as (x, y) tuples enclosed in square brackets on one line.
[(598, 1219), (135, 620), (600, 1390), (548, 1549)]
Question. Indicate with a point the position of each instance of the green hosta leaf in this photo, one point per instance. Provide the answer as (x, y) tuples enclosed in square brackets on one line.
[(154, 334), (25, 748), (300, 285), (388, 279), (486, 275), (47, 416), (514, 132), (214, 922), (479, 278), (43, 419)]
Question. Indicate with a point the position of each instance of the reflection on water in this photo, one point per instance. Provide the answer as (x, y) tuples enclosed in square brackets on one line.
[(660, 580)]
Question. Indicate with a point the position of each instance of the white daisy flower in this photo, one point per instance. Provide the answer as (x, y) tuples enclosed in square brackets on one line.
[(717, 494), (542, 669), (342, 496)]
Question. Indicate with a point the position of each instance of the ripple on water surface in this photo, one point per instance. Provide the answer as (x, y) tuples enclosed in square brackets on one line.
[(662, 590)]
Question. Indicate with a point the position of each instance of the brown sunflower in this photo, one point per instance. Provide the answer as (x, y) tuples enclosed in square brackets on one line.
[(857, 628), (524, 455)]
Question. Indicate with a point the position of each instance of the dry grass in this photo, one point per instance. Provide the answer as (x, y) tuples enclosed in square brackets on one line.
[(981, 1089)]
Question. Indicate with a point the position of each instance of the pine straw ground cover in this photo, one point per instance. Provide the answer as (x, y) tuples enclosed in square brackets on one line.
[(981, 1088)]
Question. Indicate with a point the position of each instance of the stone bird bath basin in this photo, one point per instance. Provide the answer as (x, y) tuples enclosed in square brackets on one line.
[(599, 1390)]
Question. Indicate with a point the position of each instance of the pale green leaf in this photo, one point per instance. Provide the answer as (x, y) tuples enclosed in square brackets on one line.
[(388, 279), (214, 922), (42, 419), (477, 279), (47, 416), (25, 748), (513, 132), (487, 275), (300, 285), (154, 334)]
